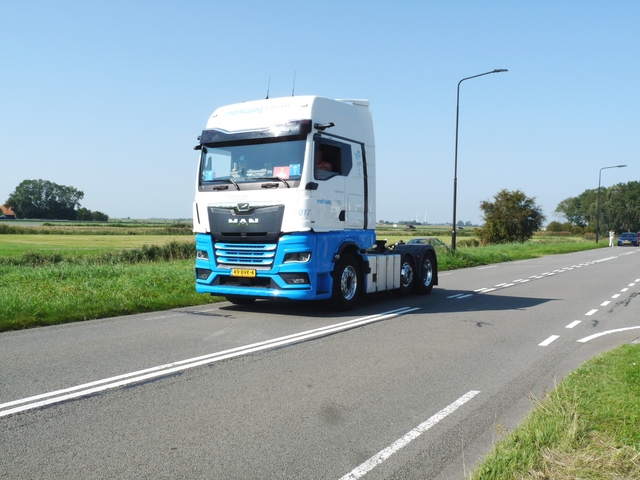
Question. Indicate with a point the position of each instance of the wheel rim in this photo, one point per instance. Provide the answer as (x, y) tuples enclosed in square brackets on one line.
[(349, 283), (406, 275), (427, 273)]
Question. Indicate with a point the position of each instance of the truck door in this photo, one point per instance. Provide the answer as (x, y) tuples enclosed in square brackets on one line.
[(340, 199)]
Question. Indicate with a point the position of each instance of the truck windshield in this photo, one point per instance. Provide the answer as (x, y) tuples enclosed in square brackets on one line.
[(252, 162)]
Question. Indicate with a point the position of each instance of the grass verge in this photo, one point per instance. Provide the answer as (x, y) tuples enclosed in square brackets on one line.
[(62, 293), (587, 428), (490, 254), (39, 289)]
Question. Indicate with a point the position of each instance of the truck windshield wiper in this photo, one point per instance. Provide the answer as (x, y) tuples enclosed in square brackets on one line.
[(276, 178), (227, 180)]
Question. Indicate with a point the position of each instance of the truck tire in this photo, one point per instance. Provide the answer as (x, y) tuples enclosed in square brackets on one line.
[(424, 284), (240, 300), (407, 275), (347, 283)]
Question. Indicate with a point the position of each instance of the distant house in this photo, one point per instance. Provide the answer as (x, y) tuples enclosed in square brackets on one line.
[(4, 210)]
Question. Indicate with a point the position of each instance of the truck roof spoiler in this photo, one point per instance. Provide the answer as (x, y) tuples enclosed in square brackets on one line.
[(360, 102)]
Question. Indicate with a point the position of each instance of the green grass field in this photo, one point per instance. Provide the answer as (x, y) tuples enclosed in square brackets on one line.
[(17, 245)]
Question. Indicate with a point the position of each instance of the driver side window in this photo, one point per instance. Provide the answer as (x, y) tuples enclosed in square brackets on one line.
[(331, 159)]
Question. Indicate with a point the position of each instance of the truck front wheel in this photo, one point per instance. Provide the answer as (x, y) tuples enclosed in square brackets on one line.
[(425, 283), (347, 283)]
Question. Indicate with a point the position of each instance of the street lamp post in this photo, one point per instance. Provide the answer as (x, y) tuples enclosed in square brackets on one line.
[(598, 198), (455, 168)]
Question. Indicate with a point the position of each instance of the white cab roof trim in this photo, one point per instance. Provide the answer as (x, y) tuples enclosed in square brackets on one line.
[(361, 102)]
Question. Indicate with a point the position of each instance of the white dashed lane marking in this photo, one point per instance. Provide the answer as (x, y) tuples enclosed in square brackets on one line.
[(549, 340)]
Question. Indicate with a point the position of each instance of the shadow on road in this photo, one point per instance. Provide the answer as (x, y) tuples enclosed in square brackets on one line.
[(439, 301)]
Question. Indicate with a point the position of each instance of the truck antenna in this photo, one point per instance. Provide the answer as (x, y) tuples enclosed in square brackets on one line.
[(294, 84), (268, 86)]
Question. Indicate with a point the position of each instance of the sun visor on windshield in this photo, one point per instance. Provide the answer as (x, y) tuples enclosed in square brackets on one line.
[(296, 128)]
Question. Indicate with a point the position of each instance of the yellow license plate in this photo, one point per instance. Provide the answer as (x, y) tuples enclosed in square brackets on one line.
[(243, 272)]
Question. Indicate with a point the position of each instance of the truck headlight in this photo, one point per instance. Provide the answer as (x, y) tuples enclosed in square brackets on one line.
[(297, 257), (202, 255)]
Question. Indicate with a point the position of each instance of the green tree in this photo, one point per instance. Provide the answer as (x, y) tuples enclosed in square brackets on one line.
[(99, 216), (573, 210), (619, 208), (84, 214), (45, 199), (555, 227), (511, 217)]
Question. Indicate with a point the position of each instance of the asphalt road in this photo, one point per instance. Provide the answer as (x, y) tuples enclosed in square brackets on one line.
[(400, 388)]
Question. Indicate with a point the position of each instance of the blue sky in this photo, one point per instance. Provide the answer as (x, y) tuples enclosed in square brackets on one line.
[(110, 96)]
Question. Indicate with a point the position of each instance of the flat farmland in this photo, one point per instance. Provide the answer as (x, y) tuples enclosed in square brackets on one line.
[(13, 245)]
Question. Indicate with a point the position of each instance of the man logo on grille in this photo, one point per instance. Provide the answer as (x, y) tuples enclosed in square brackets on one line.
[(244, 221)]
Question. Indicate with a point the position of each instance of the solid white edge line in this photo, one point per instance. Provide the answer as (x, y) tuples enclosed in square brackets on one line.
[(548, 341), (596, 335), (134, 377), (382, 455)]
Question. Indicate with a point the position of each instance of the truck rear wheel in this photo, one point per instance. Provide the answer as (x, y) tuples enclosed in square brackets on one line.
[(407, 275), (347, 283), (424, 284)]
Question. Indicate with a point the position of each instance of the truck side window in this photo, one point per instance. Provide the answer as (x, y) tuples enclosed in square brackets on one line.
[(331, 159)]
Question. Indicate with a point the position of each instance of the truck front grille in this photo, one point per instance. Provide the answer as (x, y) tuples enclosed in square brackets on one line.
[(245, 255)]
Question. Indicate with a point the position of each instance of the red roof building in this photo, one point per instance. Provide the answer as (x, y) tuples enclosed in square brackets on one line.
[(4, 210)]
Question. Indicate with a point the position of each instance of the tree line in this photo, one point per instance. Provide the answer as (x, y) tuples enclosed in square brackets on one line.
[(42, 199), (618, 208)]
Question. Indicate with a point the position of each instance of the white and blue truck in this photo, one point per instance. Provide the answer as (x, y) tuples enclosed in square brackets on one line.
[(285, 206)]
